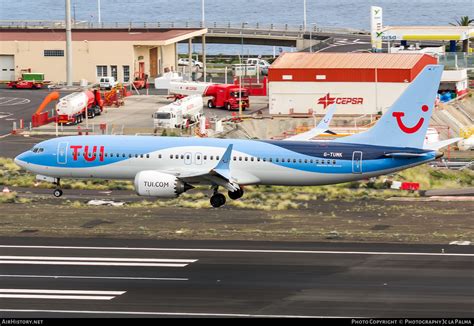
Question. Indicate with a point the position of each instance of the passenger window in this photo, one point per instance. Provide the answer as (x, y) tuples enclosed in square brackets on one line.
[(235, 158), (294, 160), (258, 159), (106, 155), (270, 159), (205, 157), (159, 155), (311, 161), (328, 161), (171, 156), (188, 157), (123, 155), (217, 158), (129, 155), (182, 156), (288, 160), (264, 159), (240, 158), (305, 160), (251, 159), (277, 160), (147, 155), (211, 157), (198, 157), (334, 162), (322, 161), (176, 156)]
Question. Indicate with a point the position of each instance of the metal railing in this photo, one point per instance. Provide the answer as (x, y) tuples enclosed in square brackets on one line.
[(46, 24)]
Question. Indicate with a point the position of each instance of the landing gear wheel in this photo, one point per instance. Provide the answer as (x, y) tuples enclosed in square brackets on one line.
[(236, 194), (217, 200), (57, 192)]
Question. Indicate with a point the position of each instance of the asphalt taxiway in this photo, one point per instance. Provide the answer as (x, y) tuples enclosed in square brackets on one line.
[(53, 277)]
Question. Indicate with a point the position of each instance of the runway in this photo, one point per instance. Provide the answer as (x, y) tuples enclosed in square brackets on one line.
[(53, 277)]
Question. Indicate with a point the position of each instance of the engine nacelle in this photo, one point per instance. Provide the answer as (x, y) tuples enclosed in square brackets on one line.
[(157, 184)]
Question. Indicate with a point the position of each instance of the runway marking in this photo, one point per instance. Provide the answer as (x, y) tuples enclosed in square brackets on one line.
[(47, 291), (151, 313), (7, 101), (95, 261), (58, 294), (102, 259), (33, 262), (99, 277), (246, 250), (60, 297)]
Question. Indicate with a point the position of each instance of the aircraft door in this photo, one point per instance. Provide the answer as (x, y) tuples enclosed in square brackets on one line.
[(62, 153), (357, 162)]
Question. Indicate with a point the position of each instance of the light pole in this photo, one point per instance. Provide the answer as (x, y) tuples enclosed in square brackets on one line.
[(68, 44), (311, 38), (242, 38), (98, 11), (240, 87), (304, 15), (203, 20)]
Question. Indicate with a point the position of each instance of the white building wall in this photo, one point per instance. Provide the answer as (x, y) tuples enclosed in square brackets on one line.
[(303, 97)]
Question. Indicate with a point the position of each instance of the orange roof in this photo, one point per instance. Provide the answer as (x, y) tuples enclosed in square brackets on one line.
[(302, 60)]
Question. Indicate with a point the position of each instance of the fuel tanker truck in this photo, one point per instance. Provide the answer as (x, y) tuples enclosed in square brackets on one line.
[(179, 114), (72, 108), (228, 96)]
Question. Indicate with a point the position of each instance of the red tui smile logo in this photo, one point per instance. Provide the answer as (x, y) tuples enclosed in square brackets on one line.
[(409, 130)]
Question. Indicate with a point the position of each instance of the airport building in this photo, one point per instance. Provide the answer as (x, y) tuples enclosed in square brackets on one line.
[(359, 83), (105, 52)]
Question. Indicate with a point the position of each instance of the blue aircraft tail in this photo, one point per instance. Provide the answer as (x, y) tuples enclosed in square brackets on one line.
[(406, 122)]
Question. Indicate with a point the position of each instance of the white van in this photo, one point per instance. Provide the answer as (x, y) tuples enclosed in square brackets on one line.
[(107, 82)]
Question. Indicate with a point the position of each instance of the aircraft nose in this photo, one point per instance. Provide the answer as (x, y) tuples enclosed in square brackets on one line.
[(20, 160)]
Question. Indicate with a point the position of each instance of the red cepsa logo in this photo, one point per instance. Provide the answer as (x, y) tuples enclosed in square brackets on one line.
[(93, 153), (328, 100)]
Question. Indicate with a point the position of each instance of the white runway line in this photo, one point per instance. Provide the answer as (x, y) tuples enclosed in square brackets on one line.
[(98, 277), (47, 291), (151, 313), (56, 297), (58, 262), (149, 260), (319, 252), (58, 294)]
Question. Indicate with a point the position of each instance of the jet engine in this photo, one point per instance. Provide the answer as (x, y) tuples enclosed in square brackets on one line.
[(157, 184)]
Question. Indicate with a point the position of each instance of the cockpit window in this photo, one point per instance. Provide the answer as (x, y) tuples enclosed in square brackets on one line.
[(37, 150)]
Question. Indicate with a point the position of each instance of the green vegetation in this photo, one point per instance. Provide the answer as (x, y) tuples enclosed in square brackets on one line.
[(12, 197)]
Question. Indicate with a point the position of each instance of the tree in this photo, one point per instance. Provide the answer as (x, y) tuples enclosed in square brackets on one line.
[(464, 21)]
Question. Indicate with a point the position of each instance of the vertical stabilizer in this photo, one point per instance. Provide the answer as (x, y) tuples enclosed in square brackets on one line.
[(406, 122)]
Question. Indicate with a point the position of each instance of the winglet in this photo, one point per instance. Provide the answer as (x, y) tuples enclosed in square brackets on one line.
[(322, 127), (222, 166)]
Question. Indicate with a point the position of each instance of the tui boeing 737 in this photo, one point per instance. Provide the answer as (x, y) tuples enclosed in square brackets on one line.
[(168, 166)]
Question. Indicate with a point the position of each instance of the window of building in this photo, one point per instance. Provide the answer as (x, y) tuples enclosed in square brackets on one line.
[(101, 71), (126, 74), (113, 71), (54, 53)]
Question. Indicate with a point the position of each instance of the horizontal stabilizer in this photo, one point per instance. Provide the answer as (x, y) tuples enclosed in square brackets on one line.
[(405, 155), (441, 144)]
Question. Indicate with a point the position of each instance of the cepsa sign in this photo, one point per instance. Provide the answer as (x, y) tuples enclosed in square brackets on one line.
[(328, 100)]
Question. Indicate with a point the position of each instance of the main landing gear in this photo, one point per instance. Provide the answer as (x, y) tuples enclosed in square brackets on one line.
[(218, 199), (57, 192)]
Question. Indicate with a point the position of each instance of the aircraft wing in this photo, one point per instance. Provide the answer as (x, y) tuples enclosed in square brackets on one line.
[(219, 175), (322, 127)]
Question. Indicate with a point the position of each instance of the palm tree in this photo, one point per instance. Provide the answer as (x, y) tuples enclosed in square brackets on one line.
[(464, 21)]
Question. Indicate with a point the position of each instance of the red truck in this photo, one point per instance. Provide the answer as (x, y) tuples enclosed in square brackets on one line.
[(227, 96), (28, 80)]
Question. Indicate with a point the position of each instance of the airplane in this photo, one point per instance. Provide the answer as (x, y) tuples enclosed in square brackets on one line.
[(166, 167)]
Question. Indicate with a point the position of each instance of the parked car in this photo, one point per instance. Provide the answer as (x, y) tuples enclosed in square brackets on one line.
[(185, 62), (107, 82), (262, 64)]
